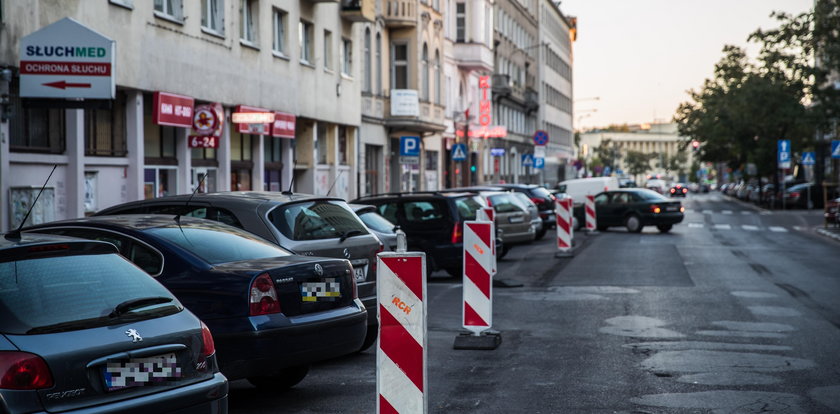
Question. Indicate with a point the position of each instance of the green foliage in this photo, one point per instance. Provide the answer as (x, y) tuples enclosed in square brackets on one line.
[(637, 162), (609, 152)]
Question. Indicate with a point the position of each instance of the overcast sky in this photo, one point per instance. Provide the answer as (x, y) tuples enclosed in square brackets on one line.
[(641, 56)]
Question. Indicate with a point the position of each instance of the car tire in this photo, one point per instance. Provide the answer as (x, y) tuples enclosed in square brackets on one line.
[(633, 223), (540, 234), (664, 228), (503, 252), (285, 379)]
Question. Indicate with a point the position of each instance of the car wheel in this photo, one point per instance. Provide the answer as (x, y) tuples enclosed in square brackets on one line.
[(285, 379), (501, 254), (664, 228), (633, 223), (370, 338), (540, 234)]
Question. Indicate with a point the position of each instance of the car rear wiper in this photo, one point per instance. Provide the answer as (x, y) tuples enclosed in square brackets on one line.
[(349, 233), (138, 303)]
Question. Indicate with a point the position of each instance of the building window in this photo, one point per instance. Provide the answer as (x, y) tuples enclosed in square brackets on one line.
[(172, 9), (342, 145), (367, 85), (399, 66), (105, 130), (424, 74), (272, 148), (347, 57), (378, 64), (278, 43), (328, 50), (241, 161), (305, 38), (129, 4), (321, 144), (249, 19), (438, 68), (460, 22), (213, 16)]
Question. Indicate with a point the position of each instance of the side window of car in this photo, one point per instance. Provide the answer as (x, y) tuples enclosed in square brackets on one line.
[(145, 258), (422, 211), (622, 198), (224, 216), (389, 211), (602, 198), (141, 255)]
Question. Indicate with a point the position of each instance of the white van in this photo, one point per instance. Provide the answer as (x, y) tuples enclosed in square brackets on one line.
[(579, 188)]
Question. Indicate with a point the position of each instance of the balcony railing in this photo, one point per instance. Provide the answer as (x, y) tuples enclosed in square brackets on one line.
[(474, 56), (532, 100), (501, 84), (400, 13), (358, 10)]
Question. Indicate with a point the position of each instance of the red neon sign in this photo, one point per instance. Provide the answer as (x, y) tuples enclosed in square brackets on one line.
[(484, 101)]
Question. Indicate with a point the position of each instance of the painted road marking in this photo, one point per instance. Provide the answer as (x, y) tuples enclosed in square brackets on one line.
[(708, 212), (778, 229), (749, 227), (726, 212), (723, 227), (695, 225), (746, 213)]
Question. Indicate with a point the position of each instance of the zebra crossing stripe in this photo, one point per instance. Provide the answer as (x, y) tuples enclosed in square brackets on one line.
[(749, 227), (695, 225), (778, 229), (727, 212), (723, 227)]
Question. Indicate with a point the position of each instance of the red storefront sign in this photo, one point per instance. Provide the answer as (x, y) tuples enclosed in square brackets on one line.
[(172, 110), (284, 125), (484, 101), (207, 126), (484, 132), (258, 129)]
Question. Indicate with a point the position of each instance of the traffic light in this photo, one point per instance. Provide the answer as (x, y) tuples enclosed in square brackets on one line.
[(472, 168), (695, 144)]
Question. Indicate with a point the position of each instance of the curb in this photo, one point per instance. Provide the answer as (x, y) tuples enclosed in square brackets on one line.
[(829, 234)]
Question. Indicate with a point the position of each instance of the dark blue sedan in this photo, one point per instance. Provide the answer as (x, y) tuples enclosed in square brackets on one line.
[(272, 313), (84, 330)]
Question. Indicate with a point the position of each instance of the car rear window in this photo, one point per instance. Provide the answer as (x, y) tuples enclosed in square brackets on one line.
[(217, 246), (467, 206), (316, 220), (541, 192), (67, 293), (506, 203)]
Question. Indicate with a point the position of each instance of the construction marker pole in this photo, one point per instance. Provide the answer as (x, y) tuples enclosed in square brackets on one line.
[(401, 380), (478, 287), (591, 220), (489, 214), (563, 214)]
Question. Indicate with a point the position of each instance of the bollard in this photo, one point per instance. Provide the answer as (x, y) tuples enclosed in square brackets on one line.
[(401, 380), (488, 214), (563, 214), (591, 219), (477, 311)]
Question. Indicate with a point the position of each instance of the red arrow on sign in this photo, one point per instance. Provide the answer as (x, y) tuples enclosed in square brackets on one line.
[(65, 85)]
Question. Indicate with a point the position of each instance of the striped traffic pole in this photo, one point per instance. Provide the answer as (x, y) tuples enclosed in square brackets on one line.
[(563, 215), (591, 220), (478, 276), (489, 214), (401, 381)]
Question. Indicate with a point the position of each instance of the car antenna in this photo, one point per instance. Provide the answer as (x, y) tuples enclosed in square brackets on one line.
[(200, 182), (334, 181), (15, 234), (291, 183)]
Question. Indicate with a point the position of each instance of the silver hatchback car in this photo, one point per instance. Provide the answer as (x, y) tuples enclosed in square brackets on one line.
[(307, 225)]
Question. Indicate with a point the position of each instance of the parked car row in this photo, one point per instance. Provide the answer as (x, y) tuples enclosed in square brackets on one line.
[(795, 194)]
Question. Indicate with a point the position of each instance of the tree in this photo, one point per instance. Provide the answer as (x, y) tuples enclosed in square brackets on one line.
[(609, 152), (675, 163), (637, 162)]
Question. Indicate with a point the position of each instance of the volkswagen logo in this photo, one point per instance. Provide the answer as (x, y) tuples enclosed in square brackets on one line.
[(346, 253), (319, 270)]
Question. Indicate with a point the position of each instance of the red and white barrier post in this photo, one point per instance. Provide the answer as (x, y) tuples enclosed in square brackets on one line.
[(591, 220), (489, 214), (401, 382), (563, 215), (479, 240)]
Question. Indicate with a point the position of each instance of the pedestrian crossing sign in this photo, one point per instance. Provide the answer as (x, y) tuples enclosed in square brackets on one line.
[(835, 148), (809, 158), (527, 160), (459, 152)]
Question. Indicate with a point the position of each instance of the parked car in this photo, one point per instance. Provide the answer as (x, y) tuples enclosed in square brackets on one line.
[(304, 224), (544, 200), (273, 312), (636, 208), (656, 184), (433, 223), (678, 190), (534, 212), (579, 188), (797, 196), (832, 212), (76, 316), (378, 225), (507, 203)]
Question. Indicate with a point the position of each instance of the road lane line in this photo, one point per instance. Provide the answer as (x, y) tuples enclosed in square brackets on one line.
[(746, 213), (778, 229), (749, 227), (708, 212), (727, 212), (695, 225), (723, 227)]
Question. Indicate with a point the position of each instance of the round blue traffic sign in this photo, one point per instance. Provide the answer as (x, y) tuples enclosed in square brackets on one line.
[(540, 138)]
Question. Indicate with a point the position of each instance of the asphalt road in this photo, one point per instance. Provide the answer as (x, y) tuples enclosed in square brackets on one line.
[(737, 310)]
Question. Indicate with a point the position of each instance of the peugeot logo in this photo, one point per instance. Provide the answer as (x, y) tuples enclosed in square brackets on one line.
[(319, 270), (346, 253), (134, 335)]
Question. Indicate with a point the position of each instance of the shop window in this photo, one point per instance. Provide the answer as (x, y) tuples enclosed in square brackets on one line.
[(342, 145), (105, 133), (399, 66), (322, 143), (35, 129), (170, 9), (273, 153), (205, 179), (278, 44), (159, 145), (213, 16), (328, 59), (240, 179), (249, 20), (159, 182), (372, 157)]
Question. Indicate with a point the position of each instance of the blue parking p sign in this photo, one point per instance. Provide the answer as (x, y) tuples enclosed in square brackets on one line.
[(409, 146), (539, 162), (783, 152), (835, 148)]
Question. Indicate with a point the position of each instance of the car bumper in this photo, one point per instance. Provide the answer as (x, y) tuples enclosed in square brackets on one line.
[(261, 345), (663, 218), (206, 397)]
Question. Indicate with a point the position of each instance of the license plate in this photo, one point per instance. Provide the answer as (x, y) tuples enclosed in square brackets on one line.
[(328, 290), (360, 273), (138, 372), (671, 208)]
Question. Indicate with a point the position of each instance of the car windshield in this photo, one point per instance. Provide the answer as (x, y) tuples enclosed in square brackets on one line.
[(376, 222), (316, 220), (217, 245), (651, 195), (67, 293), (467, 207)]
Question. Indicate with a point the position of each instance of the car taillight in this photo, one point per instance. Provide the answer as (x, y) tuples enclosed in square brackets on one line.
[(537, 201), (685, 190), (23, 371), (673, 191), (682, 209), (457, 233), (263, 296), (794, 194), (655, 209), (208, 347)]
